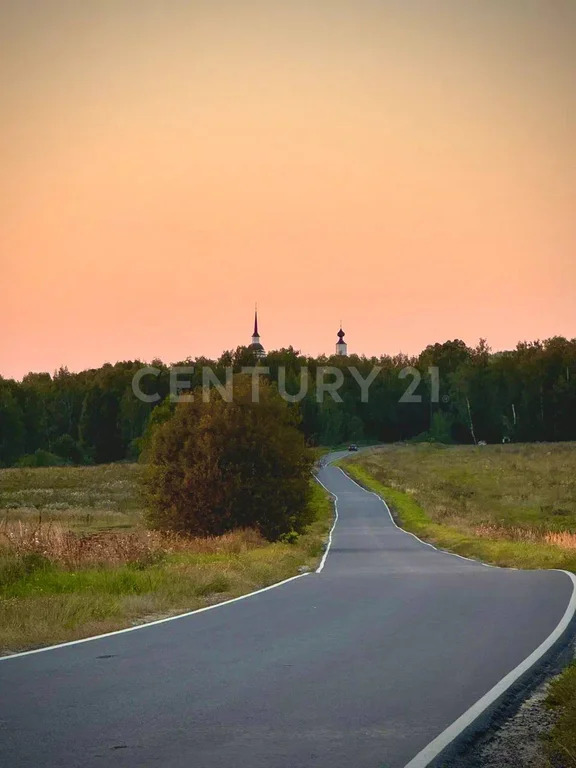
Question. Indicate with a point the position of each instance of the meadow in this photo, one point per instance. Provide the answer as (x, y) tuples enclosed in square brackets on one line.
[(77, 560), (510, 505)]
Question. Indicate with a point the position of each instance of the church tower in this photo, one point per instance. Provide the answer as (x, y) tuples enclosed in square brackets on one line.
[(255, 346), (341, 346)]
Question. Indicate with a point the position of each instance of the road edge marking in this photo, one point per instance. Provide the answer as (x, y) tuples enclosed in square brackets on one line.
[(426, 543), (449, 735), (327, 550), (188, 613), (150, 623), (435, 748)]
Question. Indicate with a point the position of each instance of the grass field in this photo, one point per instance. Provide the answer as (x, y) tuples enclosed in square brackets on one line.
[(102, 497), (511, 505), (76, 560)]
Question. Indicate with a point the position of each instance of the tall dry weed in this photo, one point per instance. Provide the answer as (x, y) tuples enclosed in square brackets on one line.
[(73, 550), (560, 539)]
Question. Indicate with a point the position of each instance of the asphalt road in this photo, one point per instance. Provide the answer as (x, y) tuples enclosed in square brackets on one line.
[(359, 666)]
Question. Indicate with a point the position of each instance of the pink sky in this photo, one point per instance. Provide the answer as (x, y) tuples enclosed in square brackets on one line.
[(408, 168)]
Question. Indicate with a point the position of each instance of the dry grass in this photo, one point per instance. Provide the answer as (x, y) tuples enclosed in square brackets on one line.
[(512, 505), (103, 497), (561, 539), (74, 550), (564, 539), (518, 491), (76, 560)]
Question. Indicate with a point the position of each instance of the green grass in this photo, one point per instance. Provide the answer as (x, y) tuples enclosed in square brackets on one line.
[(512, 505), (95, 498), (560, 743), (44, 599), (501, 504)]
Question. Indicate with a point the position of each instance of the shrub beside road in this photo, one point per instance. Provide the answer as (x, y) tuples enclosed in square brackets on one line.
[(76, 558)]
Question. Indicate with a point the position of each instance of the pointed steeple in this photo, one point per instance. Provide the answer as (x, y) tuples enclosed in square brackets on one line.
[(255, 346)]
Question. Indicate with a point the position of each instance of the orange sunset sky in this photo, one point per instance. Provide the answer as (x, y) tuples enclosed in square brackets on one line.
[(407, 166)]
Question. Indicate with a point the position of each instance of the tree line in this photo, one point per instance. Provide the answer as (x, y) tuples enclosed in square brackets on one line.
[(450, 392)]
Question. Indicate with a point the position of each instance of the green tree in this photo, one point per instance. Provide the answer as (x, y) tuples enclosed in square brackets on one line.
[(216, 466), (440, 428), (12, 428), (161, 414), (67, 448), (99, 425)]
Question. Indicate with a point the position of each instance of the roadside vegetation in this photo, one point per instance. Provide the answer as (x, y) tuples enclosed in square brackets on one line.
[(217, 466), (93, 417), (510, 505), (225, 505), (560, 743), (76, 558)]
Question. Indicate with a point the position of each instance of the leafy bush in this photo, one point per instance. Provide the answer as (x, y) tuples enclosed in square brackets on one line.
[(40, 458), (289, 538), (440, 430), (216, 466), (66, 447), (12, 569)]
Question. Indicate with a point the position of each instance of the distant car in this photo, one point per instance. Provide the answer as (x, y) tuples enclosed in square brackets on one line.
[(353, 447)]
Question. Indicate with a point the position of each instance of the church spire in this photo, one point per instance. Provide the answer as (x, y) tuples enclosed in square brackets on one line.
[(255, 334), (255, 346)]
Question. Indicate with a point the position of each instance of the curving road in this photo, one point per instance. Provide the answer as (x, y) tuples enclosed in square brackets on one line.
[(373, 662)]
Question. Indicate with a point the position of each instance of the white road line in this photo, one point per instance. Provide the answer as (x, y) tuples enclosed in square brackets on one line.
[(319, 569), (151, 623), (409, 533), (444, 739), (188, 613), (453, 731), (450, 734)]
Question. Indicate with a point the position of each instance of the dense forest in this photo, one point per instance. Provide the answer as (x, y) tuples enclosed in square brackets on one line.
[(526, 394)]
